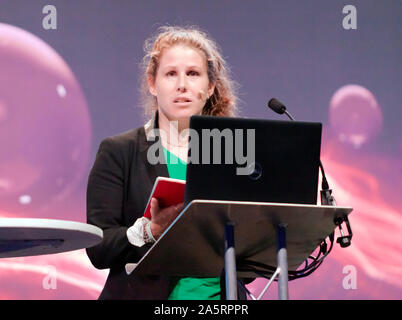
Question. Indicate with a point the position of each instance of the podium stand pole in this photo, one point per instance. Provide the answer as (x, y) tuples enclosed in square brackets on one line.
[(230, 263), (282, 264), (282, 257)]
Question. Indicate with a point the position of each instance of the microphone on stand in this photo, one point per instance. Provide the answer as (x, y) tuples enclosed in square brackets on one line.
[(280, 108), (326, 193)]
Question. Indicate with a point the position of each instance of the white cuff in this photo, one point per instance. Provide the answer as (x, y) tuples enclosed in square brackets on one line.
[(135, 234)]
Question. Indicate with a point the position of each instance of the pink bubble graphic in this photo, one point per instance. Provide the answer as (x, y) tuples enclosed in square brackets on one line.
[(355, 115), (45, 128)]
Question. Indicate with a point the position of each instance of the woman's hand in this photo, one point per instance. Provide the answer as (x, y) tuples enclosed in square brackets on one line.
[(162, 218)]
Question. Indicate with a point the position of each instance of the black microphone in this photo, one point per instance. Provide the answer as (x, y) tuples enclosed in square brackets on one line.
[(327, 198), (326, 193), (279, 108)]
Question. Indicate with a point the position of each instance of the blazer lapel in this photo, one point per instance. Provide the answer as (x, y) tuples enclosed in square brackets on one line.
[(149, 139)]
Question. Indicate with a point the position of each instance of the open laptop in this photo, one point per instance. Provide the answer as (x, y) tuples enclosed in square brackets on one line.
[(255, 160)]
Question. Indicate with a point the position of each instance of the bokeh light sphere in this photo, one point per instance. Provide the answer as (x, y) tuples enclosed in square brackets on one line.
[(45, 129), (355, 115)]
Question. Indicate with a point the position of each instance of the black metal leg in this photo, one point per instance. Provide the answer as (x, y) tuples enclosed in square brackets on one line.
[(282, 257), (230, 263)]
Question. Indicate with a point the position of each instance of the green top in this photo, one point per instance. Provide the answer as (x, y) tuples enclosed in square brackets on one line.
[(189, 288)]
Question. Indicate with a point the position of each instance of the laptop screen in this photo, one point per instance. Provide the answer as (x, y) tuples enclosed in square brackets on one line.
[(241, 159)]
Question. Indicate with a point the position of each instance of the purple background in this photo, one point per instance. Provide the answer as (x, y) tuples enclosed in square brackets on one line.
[(296, 51)]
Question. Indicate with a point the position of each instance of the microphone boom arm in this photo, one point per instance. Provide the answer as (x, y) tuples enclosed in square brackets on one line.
[(327, 198)]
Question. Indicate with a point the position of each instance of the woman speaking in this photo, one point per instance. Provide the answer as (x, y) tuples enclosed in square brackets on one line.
[(184, 74)]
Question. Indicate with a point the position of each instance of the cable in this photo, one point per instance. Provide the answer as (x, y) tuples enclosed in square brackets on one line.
[(267, 271)]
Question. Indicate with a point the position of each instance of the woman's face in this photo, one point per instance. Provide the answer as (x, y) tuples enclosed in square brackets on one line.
[(181, 85)]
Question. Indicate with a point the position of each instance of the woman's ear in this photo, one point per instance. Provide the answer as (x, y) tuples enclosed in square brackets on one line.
[(211, 89), (151, 86)]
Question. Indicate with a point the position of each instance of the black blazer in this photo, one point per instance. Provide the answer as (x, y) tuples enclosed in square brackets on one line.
[(119, 186)]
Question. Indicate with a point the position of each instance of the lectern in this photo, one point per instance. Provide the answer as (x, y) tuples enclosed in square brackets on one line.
[(275, 234)]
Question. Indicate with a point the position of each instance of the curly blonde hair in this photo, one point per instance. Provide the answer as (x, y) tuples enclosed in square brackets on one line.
[(223, 101)]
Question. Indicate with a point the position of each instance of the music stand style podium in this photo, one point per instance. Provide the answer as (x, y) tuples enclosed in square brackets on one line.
[(20, 237), (276, 234)]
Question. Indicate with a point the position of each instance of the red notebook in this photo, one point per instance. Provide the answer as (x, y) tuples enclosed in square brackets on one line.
[(168, 191)]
